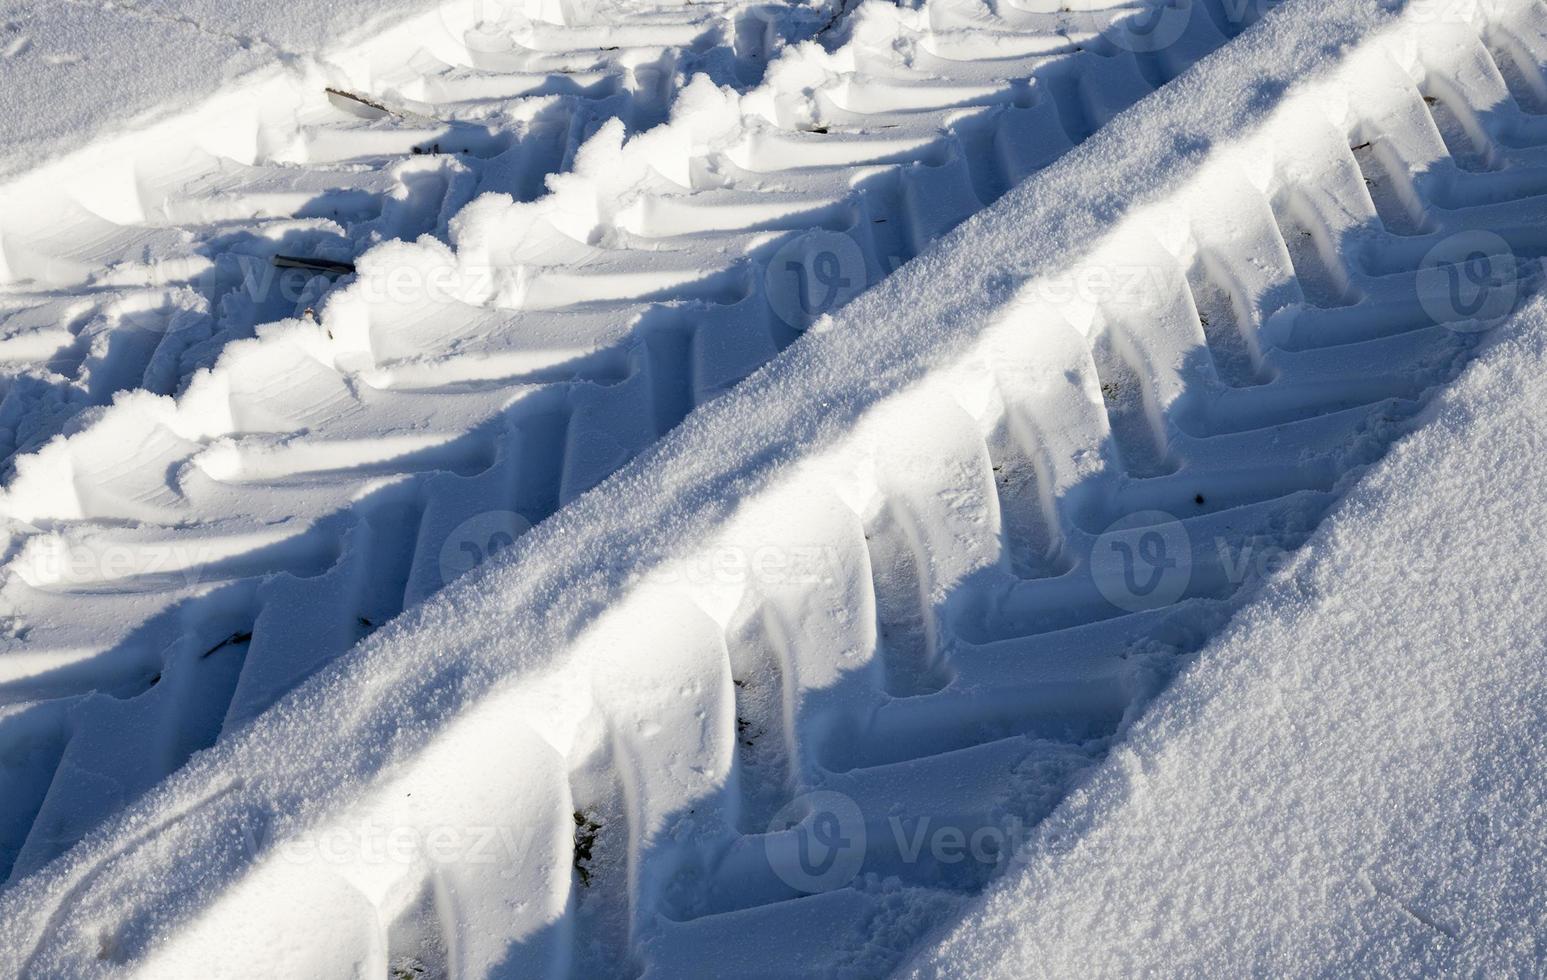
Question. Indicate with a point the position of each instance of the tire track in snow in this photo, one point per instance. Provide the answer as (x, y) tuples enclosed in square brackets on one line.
[(1286, 338), (137, 273), (195, 563), (1279, 341)]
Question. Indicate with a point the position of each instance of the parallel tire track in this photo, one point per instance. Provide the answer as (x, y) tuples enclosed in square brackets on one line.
[(1007, 559), (1057, 571), (139, 274), (340, 468)]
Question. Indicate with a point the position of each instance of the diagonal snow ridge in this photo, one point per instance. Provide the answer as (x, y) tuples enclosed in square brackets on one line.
[(131, 265), (179, 563), (915, 577), (132, 268)]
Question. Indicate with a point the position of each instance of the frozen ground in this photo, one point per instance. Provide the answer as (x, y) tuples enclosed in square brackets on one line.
[(912, 583)]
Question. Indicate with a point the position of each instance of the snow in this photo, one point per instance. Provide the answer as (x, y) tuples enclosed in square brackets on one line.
[(1350, 780), (329, 444), (73, 74), (638, 726)]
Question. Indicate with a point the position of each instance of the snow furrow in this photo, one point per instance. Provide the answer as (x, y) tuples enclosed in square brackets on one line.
[(135, 274), (220, 547), (802, 742), (134, 271)]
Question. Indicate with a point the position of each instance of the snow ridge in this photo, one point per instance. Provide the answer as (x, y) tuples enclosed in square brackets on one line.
[(305, 485), (996, 515)]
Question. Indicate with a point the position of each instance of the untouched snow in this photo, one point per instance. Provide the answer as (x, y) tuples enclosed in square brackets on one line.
[(1352, 780), (73, 74)]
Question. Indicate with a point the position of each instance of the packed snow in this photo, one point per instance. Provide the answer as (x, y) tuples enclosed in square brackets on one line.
[(1351, 780), (688, 436), (534, 301)]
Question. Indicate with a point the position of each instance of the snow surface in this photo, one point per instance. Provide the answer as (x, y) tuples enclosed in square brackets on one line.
[(137, 268), (326, 466), (1352, 779), (74, 73), (566, 683)]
